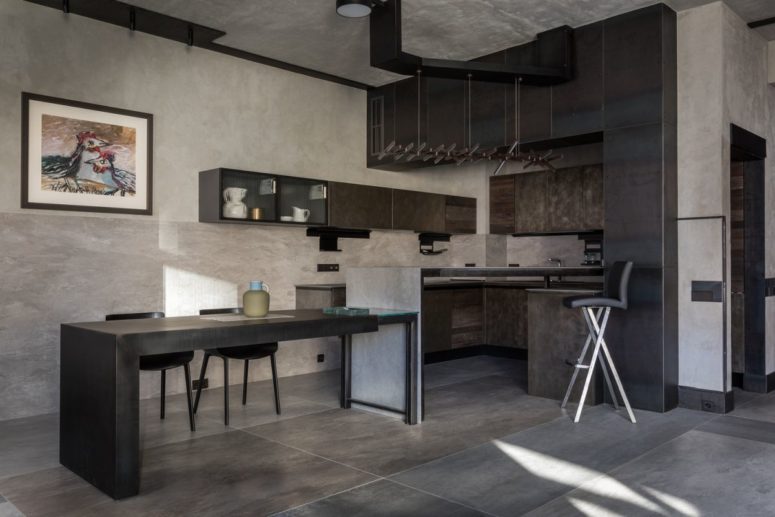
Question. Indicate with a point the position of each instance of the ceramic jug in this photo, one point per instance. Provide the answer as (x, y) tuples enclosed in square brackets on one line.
[(300, 215), (255, 301), (233, 207)]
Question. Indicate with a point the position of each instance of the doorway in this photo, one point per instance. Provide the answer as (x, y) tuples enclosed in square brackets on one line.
[(747, 280)]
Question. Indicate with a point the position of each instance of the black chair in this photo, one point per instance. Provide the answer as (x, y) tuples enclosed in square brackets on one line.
[(163, 362), (244, 353), (596, 310)]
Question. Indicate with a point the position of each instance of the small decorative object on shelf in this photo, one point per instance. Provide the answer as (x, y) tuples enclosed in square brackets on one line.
[(257, 214), (255, 301), (234, 208), (300, 215)]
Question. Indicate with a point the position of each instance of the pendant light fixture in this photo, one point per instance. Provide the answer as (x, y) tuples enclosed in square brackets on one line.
[(353, 8)]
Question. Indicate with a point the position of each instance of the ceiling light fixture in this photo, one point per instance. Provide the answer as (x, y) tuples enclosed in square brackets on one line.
[(353, 8)]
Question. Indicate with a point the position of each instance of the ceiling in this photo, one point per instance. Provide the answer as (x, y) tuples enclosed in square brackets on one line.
[(309, 33)]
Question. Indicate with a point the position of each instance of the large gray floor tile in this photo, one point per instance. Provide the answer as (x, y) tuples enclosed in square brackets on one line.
[(28, 444), (259, 410), (382, 498), (488, 365), (174, 428), (741, 428), (227, 474), (9, 510), (760, 408), (520, 472), (696, 474), (457, 417)]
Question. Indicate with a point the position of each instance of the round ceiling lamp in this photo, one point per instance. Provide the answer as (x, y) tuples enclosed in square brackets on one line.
[(353, 8)]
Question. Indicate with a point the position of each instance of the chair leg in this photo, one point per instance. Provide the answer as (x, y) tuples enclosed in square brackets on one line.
[(187, 371), (575, 375), (202, 372), (245, 383), (225, 391), (275, 384), (588, 316), (163, 389), (618, 381), (608, 381)]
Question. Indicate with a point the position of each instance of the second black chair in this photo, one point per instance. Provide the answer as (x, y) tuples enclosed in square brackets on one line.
[(245, 353), (163, 362)]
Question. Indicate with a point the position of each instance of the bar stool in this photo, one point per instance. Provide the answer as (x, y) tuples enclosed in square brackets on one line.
[(596, 310), (163, 362), (245, 353)]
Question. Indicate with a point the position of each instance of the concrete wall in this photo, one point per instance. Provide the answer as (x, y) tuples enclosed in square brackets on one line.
[(210, 110), (723, 80)]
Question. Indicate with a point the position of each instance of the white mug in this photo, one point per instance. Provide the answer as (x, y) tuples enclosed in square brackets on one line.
[(300, 215)]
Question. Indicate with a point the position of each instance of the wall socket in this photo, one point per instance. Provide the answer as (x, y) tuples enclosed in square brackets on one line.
[(470, 264), (195, 384), (321, 358), (708, 405), (325, 268)]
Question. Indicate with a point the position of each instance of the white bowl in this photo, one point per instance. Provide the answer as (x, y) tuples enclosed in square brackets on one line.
[(286, 218)]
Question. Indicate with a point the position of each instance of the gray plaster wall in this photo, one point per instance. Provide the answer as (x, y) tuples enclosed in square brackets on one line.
[(210, 110), (722, 79)]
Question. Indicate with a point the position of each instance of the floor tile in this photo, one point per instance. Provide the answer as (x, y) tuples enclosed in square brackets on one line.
[(457, 417), (232, 473), (760, 408), (382, 498), (9, 510), (174, 428), (695, 474), (520, 472), (741, 428), (461, 370), (487, 365), (28, 444)]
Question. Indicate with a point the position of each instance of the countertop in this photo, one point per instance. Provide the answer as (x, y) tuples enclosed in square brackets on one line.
[(512, 271), (321, 287)]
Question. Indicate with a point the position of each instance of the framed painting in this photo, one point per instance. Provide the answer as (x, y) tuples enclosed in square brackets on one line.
[(85, 157)]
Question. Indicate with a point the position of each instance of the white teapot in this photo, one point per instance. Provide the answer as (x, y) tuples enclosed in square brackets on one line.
[(234, 208)]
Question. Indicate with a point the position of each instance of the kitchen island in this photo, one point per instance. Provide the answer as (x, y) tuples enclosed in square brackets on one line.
[(404, 287)]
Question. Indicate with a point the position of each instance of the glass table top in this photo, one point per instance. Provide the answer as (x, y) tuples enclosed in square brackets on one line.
[(371, 311)]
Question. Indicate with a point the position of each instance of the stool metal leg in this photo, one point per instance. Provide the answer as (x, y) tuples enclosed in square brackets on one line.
[(589, 315), (608, 381), (607, 354)]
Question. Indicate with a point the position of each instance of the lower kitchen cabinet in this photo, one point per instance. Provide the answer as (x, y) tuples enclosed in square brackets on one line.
[(505, 316), (467, 317), (436, 320)]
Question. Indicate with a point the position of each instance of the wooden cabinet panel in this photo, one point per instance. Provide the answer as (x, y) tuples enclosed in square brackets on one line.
[(445, 100), (566, 200), (460, 215), (506, 317), (467, 317), (381, 121), (436, 320), (360, 206), (502, 204), (594, 206), (530, 192), (418, 211)]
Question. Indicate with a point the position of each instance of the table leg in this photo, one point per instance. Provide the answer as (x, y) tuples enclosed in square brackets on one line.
[(411, 372), (99, 411), (345, 391)]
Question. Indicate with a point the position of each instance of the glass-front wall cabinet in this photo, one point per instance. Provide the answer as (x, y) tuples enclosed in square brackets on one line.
[(227, 195)]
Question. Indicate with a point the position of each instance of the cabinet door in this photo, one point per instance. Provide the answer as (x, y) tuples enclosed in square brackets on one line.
[(418, 211), (408, 114), (302, 201), (446, 112), (531, 206), (360, 206), (506, 317), (467, 317), (594, 206), (502, 205), (381, 125), (436, 320), (566, 200), (460, 215)]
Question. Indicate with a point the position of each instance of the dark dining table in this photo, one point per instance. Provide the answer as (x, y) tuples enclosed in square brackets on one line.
[(99, 383)]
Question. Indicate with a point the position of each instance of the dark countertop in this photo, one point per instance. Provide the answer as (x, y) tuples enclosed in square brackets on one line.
[(511, 271), (514, 284), (321, 287)]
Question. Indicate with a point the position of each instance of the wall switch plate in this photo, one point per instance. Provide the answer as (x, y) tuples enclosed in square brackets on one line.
[(321, 358), (470, 264), (195, 384), (323, 268)]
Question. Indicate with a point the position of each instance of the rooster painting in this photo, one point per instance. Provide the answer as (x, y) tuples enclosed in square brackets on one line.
[(118, 180), (66, 168)]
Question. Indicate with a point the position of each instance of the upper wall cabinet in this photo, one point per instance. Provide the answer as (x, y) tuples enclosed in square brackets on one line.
[(502, 204), (419, 211), (530, 193), (460, 215), (360, 206)]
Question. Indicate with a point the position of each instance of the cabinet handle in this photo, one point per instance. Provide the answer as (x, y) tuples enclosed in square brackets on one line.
[(325, 191), (274, 186)]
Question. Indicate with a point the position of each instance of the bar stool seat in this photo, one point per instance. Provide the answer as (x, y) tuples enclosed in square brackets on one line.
[(596, 310)]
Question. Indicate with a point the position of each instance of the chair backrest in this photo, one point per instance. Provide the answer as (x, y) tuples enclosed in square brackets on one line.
[(619, 281), (134, 316), (232, 310)]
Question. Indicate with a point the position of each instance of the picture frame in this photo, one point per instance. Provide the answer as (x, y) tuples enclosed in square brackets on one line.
[(85, 157)]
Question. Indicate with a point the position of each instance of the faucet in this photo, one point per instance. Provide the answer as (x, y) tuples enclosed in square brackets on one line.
[(555, 260)]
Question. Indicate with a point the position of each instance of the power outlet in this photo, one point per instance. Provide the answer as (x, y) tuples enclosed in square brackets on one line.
[(321, 358), (326, 268), (708, 405), (470, 264), (205, 384)]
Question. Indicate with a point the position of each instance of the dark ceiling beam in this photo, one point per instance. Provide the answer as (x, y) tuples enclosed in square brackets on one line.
[(176, 29), (552, 55), (762, 23)]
